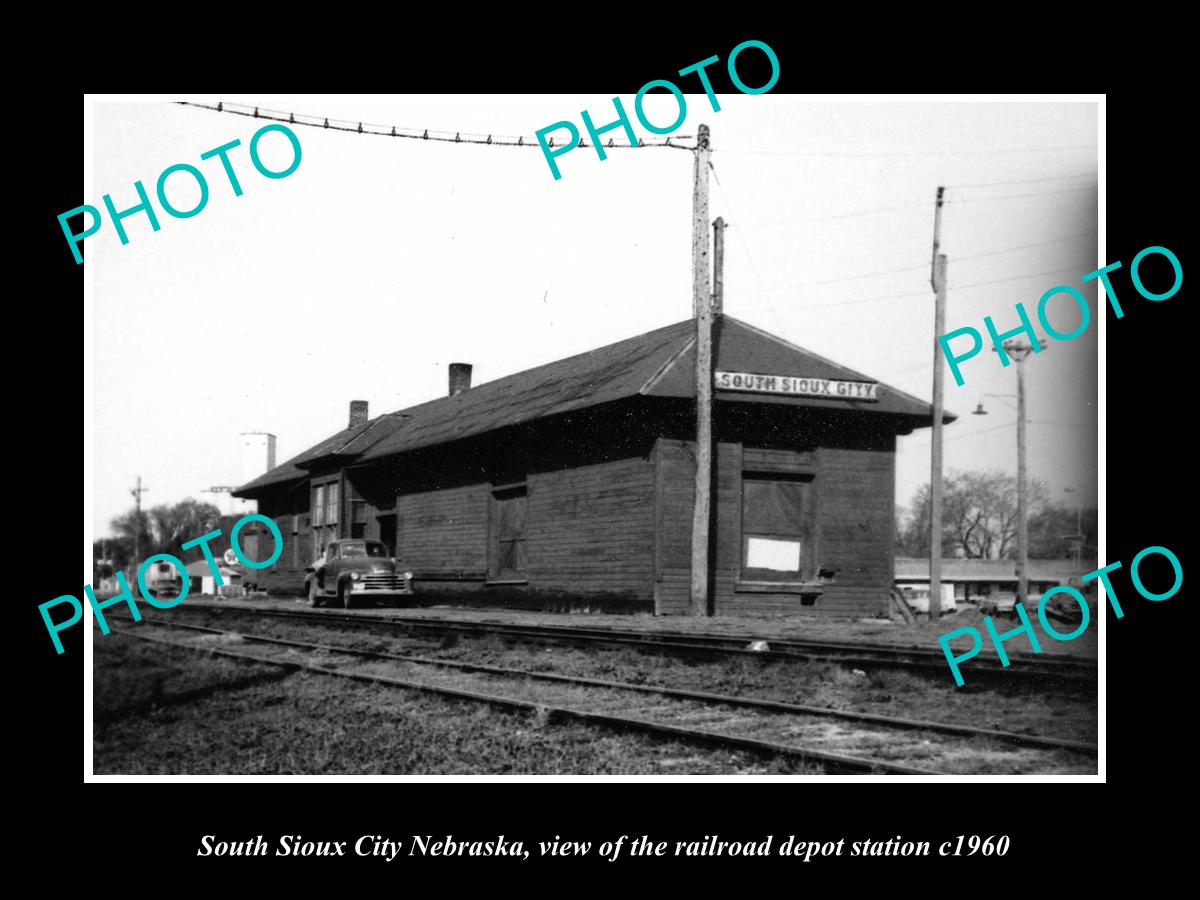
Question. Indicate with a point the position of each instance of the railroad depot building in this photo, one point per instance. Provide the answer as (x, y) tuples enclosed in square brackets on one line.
[(570, 485)]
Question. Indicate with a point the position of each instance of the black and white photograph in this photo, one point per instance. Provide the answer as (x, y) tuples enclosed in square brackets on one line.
[(728, 433)]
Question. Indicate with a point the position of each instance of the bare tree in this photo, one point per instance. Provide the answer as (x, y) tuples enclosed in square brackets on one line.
[(912, 535), (1050, 532), (979, 516)]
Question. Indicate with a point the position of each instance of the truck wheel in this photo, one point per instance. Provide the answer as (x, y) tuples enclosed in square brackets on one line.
[(313, 600)]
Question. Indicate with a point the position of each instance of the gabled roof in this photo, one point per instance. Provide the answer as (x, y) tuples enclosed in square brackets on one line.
[(659, 363)]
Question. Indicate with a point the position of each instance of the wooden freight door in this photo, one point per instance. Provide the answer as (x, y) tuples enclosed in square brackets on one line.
[(507, 560)]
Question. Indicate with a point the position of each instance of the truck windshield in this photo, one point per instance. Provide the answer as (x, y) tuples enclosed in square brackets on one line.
[(363, 548)]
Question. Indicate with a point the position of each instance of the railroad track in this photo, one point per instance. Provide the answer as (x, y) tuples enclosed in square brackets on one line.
[(772, 719), (1024, 668)]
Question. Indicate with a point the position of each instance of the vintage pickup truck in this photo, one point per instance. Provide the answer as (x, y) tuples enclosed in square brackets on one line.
[(353, 571)]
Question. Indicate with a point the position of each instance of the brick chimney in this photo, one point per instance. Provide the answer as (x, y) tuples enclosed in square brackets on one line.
[(358, 412), (460, 378)]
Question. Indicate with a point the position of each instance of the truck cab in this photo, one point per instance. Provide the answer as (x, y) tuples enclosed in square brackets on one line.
[(355, 571), (163, 580)]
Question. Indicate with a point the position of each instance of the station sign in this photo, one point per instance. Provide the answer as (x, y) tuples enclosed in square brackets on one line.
[(798, 387)]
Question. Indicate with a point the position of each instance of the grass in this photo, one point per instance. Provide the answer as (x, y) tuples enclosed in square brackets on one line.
[(165, 710), (311, 724)]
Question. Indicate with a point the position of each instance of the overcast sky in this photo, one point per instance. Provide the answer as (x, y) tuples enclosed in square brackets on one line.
[(379, 261)]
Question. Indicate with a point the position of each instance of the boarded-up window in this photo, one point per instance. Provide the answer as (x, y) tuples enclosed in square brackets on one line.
[(776, 539), (507, 556)]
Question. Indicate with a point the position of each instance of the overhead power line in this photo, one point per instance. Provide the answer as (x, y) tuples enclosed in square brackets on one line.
[(1023, 181), (921, 205), (919, 267), (964, 200), (924, 204), (745, 246), (1012, 424), (1062, 240), (922, 267), (885, 153), (421, 134), (925, 293), (919, 435)]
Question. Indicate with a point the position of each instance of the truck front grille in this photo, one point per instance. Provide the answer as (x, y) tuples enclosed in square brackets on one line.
[(382, 581)]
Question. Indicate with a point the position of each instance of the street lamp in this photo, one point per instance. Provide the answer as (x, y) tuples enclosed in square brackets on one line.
[(980, 411)]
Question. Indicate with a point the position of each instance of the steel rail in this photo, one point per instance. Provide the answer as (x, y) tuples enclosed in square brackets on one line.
[(623, 723), (1026, 740), (883, 657)]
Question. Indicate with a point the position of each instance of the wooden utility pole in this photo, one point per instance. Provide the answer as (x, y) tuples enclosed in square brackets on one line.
[(1022, 487), (718, 293), (1018, 352), (702, 313), (700, 285), (938, 282), (937, 237), (137, 527)]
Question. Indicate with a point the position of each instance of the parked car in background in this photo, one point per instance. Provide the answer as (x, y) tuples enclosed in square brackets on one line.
[(1062, 607), (354, 572), (917, 596), (998, 603)]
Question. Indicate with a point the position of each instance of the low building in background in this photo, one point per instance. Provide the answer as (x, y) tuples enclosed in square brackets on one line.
[(204, 582), (989, 583)]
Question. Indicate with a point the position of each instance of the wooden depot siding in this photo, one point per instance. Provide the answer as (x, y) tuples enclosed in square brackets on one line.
[(853, 489), (286, 576), (857, 528), (441, 535), (590, 533), (675, 472), (589, 538)]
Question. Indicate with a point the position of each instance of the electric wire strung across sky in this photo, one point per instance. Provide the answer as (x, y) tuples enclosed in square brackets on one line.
[(416, 134), (1085, 316), (622, 120), (676, 142)]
